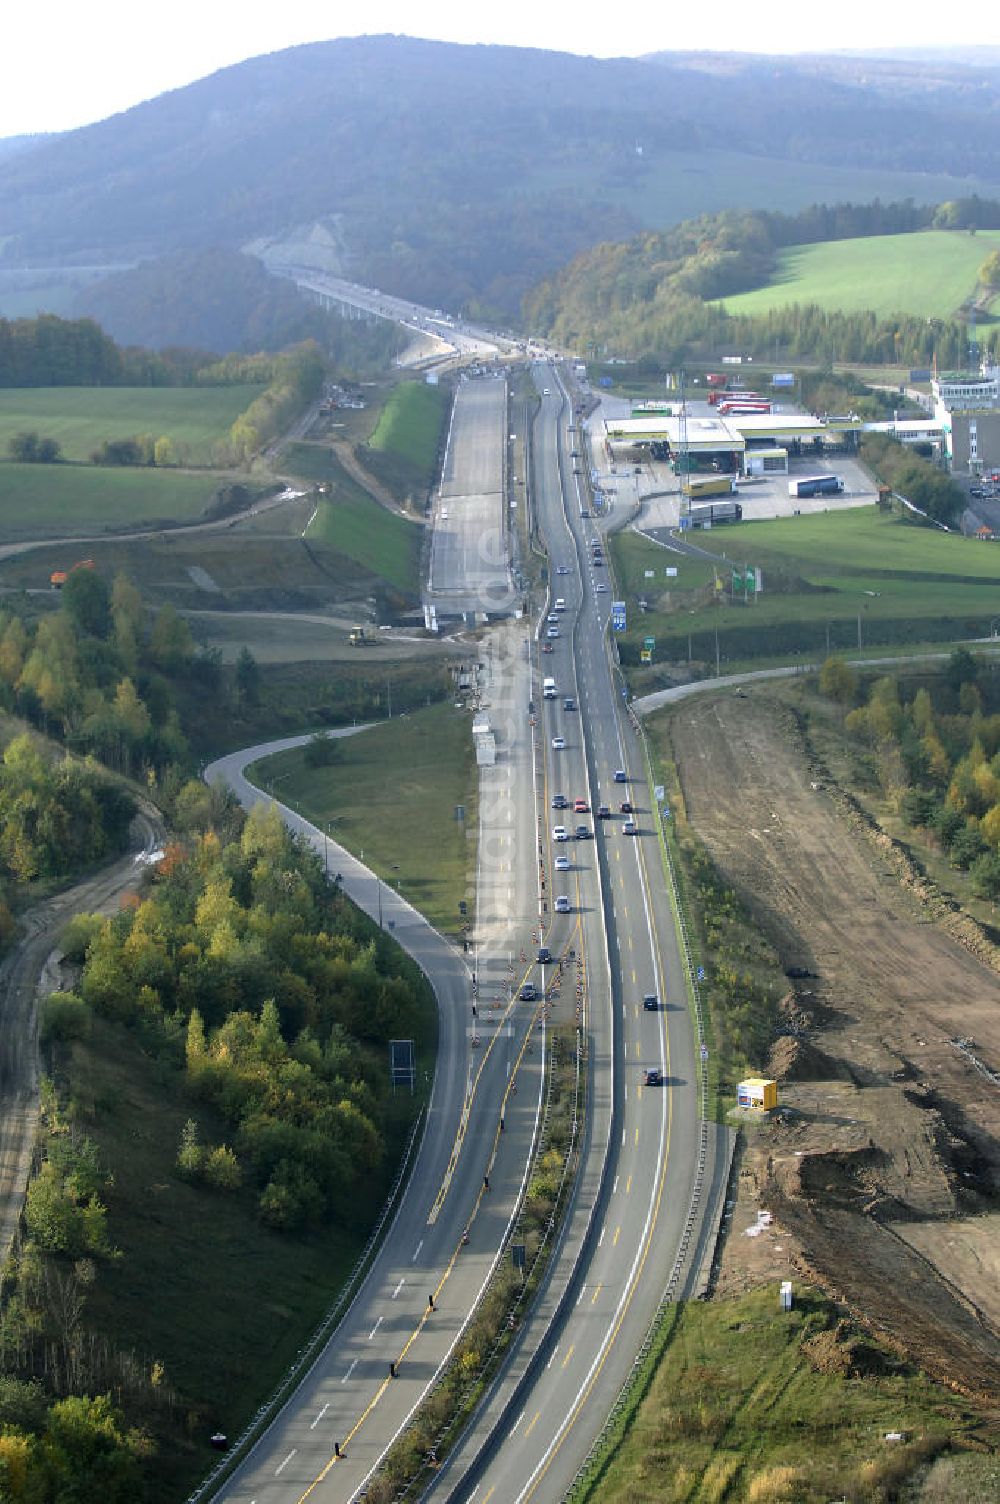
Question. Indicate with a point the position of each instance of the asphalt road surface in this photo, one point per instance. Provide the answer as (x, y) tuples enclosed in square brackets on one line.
[(469, 568), (643, 1140)]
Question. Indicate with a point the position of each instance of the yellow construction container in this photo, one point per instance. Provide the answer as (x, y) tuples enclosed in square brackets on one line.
[(757, 1094)]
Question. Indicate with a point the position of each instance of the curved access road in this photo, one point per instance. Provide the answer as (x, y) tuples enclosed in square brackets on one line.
[(330, 1435), (19, 986)]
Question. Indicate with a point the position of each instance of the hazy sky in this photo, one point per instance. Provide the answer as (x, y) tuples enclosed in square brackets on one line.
[(68, 62)]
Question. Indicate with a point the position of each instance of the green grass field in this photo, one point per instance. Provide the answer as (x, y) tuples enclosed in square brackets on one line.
[(737, 1411), (54, 501), (358, 528), (929, 274), (823, 574), (80, 418), (391, 794), (403, 449)]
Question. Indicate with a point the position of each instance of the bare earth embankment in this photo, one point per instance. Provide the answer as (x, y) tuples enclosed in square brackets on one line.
[(882, 1178)]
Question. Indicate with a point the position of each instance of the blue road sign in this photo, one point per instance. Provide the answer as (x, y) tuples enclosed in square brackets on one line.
[(618, 615)]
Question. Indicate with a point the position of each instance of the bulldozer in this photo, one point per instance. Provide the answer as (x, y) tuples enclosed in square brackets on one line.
[(359, 638)]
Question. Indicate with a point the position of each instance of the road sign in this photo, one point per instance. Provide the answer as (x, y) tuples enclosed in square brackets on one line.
[(618, 615), (704, 1052), (671, 571), (659, 793), (701, 973)]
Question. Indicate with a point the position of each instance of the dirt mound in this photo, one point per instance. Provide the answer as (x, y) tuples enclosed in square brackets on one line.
[(840, 1350), (795, 1059)]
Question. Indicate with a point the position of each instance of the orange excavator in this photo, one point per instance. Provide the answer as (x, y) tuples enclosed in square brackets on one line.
[(58, 577)]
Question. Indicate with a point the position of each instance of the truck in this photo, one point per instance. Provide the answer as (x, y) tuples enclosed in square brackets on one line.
[(742, 407), (58, 577), (816, 485), (715, 379), (733, 394), (711, 513), (549, 689), (697, 486), (359, 638)]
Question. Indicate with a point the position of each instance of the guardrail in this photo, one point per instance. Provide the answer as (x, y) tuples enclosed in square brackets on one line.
[(310, 1350), (493, 1358)]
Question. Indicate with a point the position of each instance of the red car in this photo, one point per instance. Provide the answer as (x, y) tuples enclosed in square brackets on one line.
[(581, 807)]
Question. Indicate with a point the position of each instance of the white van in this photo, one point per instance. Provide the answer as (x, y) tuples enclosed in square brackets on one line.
[(560, 604), (549, 689)]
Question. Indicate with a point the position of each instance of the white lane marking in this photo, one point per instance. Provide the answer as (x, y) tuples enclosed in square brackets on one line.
[(398, 1288), (417, 1250), (374, 1329), (615, 1186), (287, 1460), (319, 1417), (601, 1238), (551, 1360), (347, 1375)]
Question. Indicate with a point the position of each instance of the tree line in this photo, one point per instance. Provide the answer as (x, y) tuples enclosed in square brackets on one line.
[(934, 748)]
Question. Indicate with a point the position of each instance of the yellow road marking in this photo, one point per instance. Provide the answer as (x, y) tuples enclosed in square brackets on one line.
[(532, 1423), (569, 1354), (614, 1240), (596, 1293), (628, 1185)]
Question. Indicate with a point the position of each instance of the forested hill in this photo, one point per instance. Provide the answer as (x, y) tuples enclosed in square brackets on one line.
[(462, 175), (650, 295)]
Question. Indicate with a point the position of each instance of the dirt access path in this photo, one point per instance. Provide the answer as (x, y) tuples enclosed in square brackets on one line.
[(19, 992), (347, 457), (882, 1179)]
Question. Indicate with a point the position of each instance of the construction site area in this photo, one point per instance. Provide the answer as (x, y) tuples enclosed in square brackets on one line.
[(877, 1176)]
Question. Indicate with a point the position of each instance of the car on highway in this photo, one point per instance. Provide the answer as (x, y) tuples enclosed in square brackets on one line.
[(653, 1077), (558, 743), (544, 955), (547, 647), (604, 812), (562, 904), (621, 776), (562, 569), (581, 807), (562, 864), (545, 391), (582, 833), (598, 561), (553, 618), (630, 828), (444, 514), (626, 807), (528, 993), (600, 587), (559, 833), (651, 1002), (569, 703), (552, 632), (559, 801)]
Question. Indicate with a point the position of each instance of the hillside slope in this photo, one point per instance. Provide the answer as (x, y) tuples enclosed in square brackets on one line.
[(462, 175)]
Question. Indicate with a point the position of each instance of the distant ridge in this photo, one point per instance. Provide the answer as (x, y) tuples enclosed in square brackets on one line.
[(463, 176)]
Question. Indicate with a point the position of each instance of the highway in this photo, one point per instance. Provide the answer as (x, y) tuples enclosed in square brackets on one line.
[(625, 1232), (642, 1145)]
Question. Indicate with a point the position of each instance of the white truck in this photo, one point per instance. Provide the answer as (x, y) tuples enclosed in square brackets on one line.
[(549, 689)]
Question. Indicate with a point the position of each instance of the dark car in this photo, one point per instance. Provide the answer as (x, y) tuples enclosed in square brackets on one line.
[(604, 812), (569, 703), (528, 993), (544, 955), (651, 1002), (653, 1077), (582, 833), (621, 776), (626, 807), (559, 801)]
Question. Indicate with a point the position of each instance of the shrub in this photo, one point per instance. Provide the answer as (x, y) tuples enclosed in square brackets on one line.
[(64, 1016), (222, 1169)]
